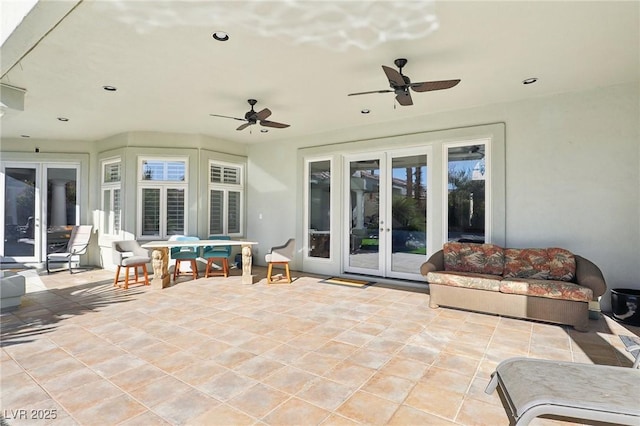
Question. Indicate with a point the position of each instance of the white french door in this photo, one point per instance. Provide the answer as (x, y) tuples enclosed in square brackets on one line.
[(21, 191), (40, 207), (386, 213)]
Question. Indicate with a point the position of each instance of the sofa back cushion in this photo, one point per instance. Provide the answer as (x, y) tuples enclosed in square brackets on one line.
[(542, 264), (476, 258)]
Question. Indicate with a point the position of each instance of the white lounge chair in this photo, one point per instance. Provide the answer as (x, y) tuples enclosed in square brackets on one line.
[(535, 387), (77, 245)]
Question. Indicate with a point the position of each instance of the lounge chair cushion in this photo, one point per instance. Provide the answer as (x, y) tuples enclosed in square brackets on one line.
[(535, 387)]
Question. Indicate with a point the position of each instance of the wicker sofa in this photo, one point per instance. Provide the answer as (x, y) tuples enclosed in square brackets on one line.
[(549, 284)]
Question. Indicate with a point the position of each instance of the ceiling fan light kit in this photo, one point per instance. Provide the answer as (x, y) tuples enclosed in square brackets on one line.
[(400, 84)]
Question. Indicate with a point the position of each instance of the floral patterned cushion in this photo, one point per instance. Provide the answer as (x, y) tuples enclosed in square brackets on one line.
[(546, 288), (475, 258), (465, 279), (544, 264)]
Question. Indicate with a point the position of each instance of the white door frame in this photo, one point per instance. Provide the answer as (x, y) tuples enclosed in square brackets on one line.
[(346, 239), (37, 235), (40, 204), (384, 260)]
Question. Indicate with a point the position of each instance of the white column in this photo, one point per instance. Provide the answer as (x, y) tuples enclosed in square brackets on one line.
[(58, 202)]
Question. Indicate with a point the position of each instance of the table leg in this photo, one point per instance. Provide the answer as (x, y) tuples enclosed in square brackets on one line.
[(247, 278), (160, 261)]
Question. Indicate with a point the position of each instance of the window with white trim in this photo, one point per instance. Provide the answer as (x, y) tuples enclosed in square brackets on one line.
[(468, 205), (111, 189), (226, 198), (318, 214), (162, 197)]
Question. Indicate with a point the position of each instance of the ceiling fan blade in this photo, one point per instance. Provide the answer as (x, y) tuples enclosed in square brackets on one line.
[(372, 91), (404, 99), (263, 114), (244, 126), (268, 123), (428, 86), (395, 78), (226, 116)]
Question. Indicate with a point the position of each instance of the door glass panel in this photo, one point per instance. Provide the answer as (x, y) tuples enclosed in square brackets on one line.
[(61, 207), (320, 209), (466, 188), (19, 212), (365, 208), (408, 213)]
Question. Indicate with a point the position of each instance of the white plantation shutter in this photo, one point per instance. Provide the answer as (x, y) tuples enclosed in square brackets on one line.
[(216, 212), (175, 211), (111, 198), (225, 199), (163, 195)]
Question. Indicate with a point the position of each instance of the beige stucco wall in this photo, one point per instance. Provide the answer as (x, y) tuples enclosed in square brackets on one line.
[(572, 175), (572, 172)]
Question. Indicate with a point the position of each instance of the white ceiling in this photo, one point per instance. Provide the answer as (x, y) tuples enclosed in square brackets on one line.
[(298, 58)]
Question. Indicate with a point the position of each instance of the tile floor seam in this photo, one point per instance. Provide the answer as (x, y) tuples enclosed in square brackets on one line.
[(41, 386), (148, 408), (536, 332)]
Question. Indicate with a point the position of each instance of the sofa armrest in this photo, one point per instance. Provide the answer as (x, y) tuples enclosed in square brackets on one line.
[(589, 275), (434, 263)]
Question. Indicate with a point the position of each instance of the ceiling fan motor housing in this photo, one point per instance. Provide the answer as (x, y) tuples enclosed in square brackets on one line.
[(400, 62)]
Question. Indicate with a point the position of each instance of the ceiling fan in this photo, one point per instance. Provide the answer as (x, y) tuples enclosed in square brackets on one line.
[(253, 117), (400, 84)]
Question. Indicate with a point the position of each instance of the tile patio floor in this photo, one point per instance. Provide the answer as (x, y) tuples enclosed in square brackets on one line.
[(214, 351)]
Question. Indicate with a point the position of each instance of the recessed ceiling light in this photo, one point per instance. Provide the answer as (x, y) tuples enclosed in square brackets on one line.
[(529, 80), (109, 88), (264, 130), (63, 119), (365, 111), (220, 36), (25, 136)]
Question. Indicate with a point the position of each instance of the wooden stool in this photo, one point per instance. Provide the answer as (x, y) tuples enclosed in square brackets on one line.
[(194, 268), (225, 267), (135, 271)]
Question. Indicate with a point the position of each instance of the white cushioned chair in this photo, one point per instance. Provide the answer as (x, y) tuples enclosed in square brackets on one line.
[(129, 254), (280, 255)]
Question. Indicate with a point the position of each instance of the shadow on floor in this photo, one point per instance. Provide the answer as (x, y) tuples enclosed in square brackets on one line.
[(42, 311)]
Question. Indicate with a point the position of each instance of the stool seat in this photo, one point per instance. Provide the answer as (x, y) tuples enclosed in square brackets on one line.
[(135, 260)]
